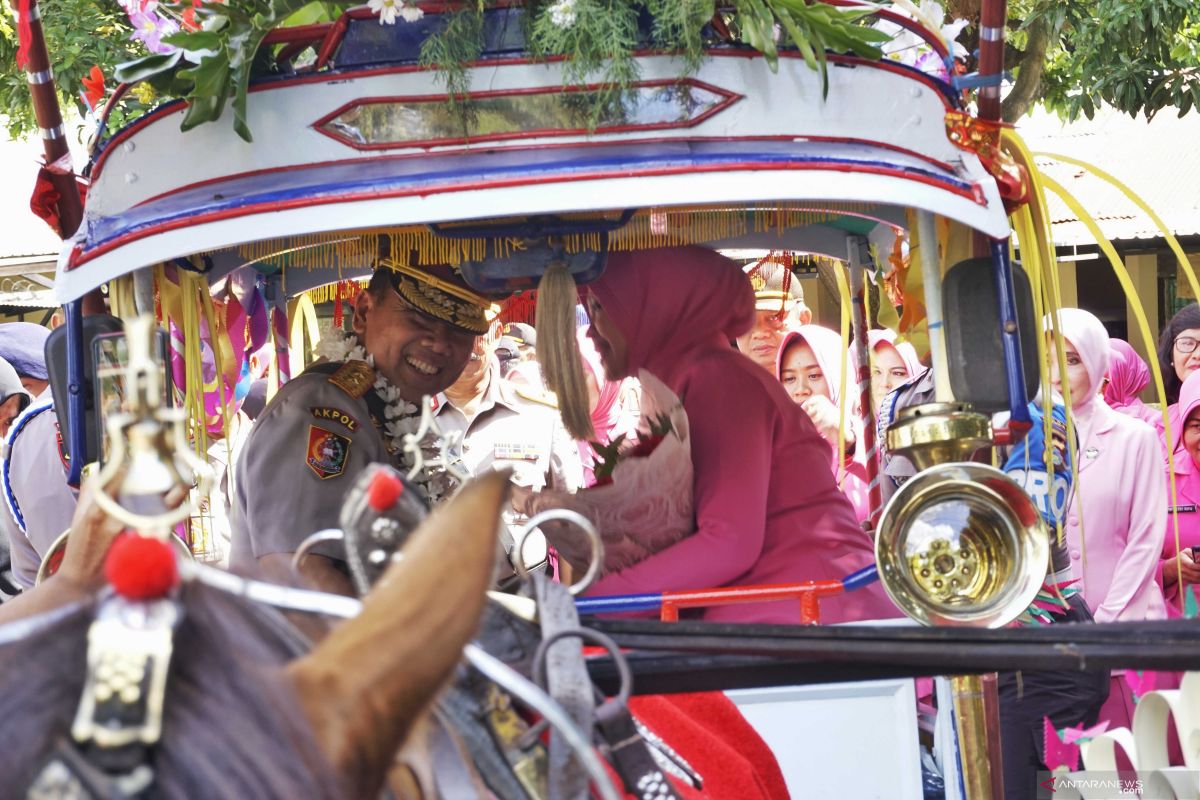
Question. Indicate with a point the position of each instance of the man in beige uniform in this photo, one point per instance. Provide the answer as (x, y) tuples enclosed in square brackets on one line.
[(414, 331), (779, 305), (504, 425)]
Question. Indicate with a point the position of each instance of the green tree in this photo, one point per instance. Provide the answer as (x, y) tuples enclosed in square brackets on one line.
[(1139, 56), (80, 34)]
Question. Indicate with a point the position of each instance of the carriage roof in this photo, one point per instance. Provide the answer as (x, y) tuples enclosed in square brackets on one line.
[(731, 156)]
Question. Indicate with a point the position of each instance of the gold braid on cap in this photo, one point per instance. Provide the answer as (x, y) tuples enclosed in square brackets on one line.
[(439, 298)]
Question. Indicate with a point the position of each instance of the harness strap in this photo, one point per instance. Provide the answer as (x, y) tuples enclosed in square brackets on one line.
[(568, 683), (10, 498)]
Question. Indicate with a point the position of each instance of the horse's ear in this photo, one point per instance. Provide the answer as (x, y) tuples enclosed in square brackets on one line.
[(365, 684)]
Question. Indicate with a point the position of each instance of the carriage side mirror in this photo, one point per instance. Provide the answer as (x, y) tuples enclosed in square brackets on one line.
[(970, 308), (60, 381), (104, 358)]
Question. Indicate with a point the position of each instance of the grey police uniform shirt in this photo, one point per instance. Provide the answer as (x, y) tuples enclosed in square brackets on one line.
[(37, 479), (517, 431), (304, 453)]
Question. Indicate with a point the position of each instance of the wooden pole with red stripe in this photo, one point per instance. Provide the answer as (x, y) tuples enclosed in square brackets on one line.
[(33, 56)]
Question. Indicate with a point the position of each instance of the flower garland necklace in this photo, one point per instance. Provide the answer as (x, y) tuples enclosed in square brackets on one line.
[(401, 418)]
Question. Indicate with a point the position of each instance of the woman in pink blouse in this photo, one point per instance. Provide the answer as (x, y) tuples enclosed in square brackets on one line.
[(767, 508)]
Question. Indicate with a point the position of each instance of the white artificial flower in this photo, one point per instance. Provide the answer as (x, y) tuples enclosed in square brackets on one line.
[(386, 9), (410, 13), (562, 13)]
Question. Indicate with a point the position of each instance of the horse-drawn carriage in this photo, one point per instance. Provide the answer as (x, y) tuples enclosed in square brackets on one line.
[(345, 137)]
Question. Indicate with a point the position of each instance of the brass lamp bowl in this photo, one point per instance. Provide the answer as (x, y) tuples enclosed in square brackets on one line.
[(962, 544)]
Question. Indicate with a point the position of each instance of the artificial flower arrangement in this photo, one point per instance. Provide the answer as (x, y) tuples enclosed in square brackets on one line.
[(642, 501)]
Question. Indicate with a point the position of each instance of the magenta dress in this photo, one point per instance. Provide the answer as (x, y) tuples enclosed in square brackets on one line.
[(767, 508)]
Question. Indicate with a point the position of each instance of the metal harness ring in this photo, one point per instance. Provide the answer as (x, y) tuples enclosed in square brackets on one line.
[(580, 521)]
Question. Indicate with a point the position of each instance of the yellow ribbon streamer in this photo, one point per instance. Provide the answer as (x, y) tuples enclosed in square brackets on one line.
[(1143, 328), (1172, 242), (844, 293), (304, 315)]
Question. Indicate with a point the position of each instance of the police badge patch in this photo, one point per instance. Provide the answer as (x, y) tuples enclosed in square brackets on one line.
[(327, 452)]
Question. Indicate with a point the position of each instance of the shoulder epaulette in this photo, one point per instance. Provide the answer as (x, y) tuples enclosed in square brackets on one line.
[(355, 378), (533, 396)]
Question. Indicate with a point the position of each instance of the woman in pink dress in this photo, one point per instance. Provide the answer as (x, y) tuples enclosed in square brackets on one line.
[(1128, 375), (767, 508), (1116, 518), (810, 366)]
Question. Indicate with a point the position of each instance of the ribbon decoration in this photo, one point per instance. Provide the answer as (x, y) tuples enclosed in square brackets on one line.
[(304, 316), (24, 32), (983, 137)]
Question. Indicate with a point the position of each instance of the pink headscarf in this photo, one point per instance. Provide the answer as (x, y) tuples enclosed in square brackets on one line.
[(1128, 374), (908, 353), (831, 357), (1189, 401), (1082, 329), (608, 412), (671, 301)]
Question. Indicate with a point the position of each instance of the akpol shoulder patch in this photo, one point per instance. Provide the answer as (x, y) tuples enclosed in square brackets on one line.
[(355, 378), (335, 415), (327, 452)]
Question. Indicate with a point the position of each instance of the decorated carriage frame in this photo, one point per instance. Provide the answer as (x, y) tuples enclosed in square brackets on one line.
[(742, 152)]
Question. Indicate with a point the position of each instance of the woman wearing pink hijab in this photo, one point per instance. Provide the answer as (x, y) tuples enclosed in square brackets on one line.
[(892, 364), (810, 366), (1118, 512), (767, 509), (1128, 375)]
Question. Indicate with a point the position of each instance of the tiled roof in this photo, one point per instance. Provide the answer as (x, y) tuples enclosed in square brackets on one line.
[(1158, 160)]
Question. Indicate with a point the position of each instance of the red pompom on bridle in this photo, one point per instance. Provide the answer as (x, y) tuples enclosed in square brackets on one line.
[(141, 567)]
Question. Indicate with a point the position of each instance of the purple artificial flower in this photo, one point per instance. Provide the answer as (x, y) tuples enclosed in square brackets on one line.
[(149, 28)]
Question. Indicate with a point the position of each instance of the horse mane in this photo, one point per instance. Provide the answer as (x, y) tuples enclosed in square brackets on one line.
[(232, 724)]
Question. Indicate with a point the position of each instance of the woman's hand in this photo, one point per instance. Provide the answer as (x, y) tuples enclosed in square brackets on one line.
[(827, 419), (1172, 569)]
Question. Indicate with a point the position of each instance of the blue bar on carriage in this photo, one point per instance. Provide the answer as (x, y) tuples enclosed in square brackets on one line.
[(619, 603), (76, 408), (864, 577), (1014, 370)]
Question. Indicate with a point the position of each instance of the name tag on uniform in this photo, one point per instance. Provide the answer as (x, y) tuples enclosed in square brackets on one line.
[(1185, 509), (515, 451)]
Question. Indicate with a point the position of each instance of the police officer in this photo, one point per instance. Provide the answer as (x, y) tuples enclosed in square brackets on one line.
[(414, 330), (779, 306), (505, 425)]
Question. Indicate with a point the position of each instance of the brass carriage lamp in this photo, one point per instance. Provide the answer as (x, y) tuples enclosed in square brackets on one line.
[(960, 543)]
